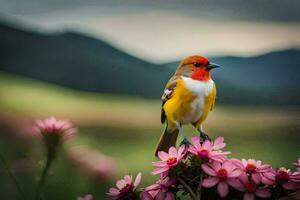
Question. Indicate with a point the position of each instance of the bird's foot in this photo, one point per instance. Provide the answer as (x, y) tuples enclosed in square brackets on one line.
[(204, 136), (185, 142)]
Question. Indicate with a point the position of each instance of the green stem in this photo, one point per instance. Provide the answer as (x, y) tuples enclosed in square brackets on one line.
[(187, 187), (12, 176), (43, 179), (199, 189)]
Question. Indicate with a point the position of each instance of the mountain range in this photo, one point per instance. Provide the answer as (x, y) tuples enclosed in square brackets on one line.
[(81, 62)]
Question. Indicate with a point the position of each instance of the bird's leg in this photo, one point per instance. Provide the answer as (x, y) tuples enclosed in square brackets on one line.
[(203, 135), (185, 141)]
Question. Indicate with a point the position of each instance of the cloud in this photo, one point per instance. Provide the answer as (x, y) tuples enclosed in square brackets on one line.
[(174, 29)]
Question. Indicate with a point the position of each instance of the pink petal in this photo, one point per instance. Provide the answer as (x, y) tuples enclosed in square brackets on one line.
[(248, 196), (219, 159), (258, 163), (244, 178), (219, 140), (196, 142), (290, 186), (219, 153), (207, 145), (219, 143), (237, 163), (173, 152), (193, 150), (223, 189), (146, 196), (152, 187), (113, 192), (154, 193), (216, 166), (244, 162), (228, 166), (180, 151), (159, 164), (137, 179), (163, 155), (263, 193), (220, 146), (208, 170), (235, 183), (264, 168), (267, 181), (121, 184), (256, 178), (235, 173), (210, 182), (160, 170), (128, 179)]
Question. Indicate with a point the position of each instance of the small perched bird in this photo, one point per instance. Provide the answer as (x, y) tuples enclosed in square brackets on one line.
[(188, 98)]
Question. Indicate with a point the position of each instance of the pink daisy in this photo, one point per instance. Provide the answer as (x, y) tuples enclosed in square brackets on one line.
[(252, 167), (124, 186), (53, 126), (222, 174), (168, 160), (159, 190), (283, 177), (208, 150), (53, 132), (251, 189)]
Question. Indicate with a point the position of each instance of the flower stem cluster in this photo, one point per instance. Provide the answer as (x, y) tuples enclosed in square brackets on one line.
[(204, 172)]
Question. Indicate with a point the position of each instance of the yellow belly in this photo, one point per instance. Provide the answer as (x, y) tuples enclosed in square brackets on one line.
[(186, 107)]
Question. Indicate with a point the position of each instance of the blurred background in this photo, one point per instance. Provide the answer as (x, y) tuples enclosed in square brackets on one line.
[(104, 64)]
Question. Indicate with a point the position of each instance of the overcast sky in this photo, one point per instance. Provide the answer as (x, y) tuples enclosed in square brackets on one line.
[(163, 30)]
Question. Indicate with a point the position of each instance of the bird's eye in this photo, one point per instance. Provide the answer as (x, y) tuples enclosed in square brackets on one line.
[(197, 64)]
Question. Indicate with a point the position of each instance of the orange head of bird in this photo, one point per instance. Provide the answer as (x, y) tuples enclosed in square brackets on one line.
[(196, 67)]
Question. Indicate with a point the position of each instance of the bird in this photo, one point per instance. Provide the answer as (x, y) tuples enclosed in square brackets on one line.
[(188, 98)]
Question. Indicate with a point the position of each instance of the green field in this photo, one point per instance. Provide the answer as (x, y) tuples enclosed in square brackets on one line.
[(126, 128)]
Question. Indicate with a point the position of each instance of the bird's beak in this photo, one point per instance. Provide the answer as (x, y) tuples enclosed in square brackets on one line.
[(212, 66)]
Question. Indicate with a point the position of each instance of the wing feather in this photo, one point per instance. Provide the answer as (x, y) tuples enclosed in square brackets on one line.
[(167, 94)]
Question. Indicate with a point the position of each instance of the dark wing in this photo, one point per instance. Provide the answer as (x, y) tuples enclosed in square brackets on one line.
[(170, 87)]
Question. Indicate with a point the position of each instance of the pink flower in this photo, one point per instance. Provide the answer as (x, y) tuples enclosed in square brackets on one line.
[(159, 190), (252, 167), (168, 160), (297, 164), (124, 186), (283, 177), (86, 197), (251, 189), (53, 131), (222, 174), (51, 125), (208, 150)]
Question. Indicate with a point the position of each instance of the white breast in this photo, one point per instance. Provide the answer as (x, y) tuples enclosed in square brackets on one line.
[(201, 89)]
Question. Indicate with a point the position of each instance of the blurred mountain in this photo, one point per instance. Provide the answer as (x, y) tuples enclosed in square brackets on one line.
[(76, 61), (85, 63)]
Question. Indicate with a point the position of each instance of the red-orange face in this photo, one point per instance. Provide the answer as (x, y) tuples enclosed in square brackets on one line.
[(200, 67)]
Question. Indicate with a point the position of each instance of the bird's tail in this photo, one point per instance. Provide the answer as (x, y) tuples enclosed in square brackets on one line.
[(167, 139)]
